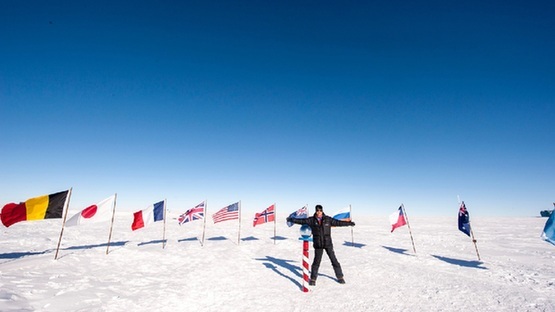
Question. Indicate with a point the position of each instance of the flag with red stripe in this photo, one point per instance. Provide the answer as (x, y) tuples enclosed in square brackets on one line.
[(268, 215), (37, 208)]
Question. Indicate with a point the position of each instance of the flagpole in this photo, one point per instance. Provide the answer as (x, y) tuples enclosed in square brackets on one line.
[(351, 217), (164, 234), (112, 223), (474, 241), (239, 236), (471, 232), (275, 218), (64, 222), (408, 224), (204, 222)]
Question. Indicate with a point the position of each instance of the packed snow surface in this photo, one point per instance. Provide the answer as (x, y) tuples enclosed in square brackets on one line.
[(262, 272)]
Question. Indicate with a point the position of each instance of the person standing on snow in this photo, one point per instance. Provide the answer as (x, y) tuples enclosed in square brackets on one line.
[(321, 231)]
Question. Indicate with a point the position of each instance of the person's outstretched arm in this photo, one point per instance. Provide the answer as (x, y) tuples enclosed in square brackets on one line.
[(335, 222), (297, 221)]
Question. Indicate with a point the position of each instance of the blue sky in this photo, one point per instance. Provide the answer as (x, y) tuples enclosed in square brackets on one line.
[(368, 103)]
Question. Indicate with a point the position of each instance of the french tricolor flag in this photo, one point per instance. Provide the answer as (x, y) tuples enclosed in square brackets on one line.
[(149, 215)]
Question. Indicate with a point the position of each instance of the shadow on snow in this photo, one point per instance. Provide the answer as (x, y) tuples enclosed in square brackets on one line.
[(158, 241), (112, 244), (397, 250), (244, 239), (17, 255), (252, 238), (190, 239), (351, 244), (273, 264), (217, 238), (463, 263), (327, 276)]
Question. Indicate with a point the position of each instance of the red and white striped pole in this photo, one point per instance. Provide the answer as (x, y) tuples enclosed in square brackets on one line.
[(305, 266), (306, 232)]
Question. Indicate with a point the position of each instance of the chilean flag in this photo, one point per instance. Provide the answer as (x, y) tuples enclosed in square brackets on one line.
[(100, 212), (147, 216), (397, 219)]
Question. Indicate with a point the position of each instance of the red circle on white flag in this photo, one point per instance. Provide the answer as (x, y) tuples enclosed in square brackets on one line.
[(89, 212)]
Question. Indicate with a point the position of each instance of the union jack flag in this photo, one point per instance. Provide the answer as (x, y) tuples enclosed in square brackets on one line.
[(196, 213), (268, 215)]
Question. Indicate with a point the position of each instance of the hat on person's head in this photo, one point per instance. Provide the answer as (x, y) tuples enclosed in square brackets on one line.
[(319, 207)]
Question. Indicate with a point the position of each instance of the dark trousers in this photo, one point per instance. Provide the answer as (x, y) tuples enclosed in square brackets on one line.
[(318, 252)]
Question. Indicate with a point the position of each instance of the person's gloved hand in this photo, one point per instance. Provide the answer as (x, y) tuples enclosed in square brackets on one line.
[(352, 223), (289, 219)]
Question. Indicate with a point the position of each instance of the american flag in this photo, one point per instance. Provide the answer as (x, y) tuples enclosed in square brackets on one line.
[(268, 215), (230, 212), (196, 213)]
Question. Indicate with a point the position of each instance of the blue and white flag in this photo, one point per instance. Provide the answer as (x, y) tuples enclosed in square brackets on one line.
[(549, 229), (464, 220), (299, 214), (343, 214)]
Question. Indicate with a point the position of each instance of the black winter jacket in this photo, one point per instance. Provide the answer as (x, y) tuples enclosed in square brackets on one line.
[(321, 232)]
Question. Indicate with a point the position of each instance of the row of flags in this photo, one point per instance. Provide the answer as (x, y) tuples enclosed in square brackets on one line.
[(267, 215), (399, 218), (52, 206)]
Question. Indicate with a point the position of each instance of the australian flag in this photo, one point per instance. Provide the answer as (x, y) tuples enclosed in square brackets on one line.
[(464, 220), (299, 214)]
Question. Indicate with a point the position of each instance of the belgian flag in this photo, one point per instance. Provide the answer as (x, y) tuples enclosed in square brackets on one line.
[(38, 208)]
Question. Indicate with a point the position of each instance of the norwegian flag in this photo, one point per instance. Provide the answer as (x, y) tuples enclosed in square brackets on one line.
[(268, 215), (192, 214)]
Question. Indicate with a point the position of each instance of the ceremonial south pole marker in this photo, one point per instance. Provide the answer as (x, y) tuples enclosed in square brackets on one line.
[(306, 232)]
